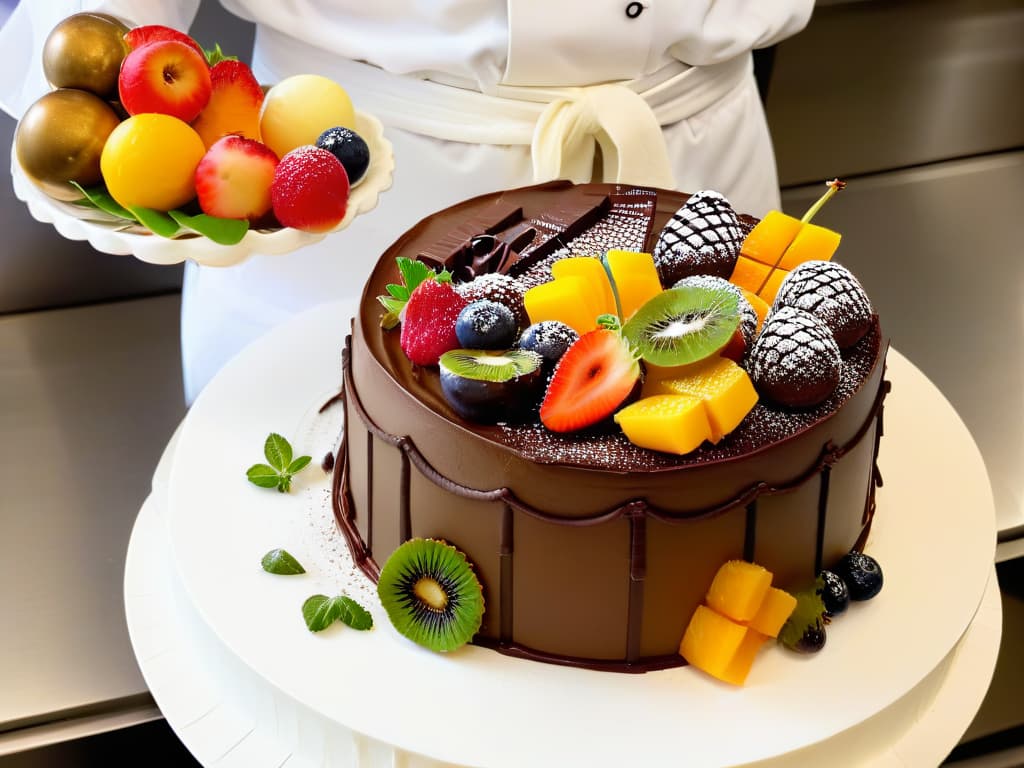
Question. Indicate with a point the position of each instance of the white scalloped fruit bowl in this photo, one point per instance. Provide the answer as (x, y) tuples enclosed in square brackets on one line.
[(111, 235)]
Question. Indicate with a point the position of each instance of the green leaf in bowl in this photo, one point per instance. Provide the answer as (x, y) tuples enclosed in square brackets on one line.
[(98, 197), (156, 221), (220, 231)]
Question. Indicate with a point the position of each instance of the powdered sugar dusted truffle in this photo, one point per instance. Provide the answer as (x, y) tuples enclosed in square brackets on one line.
[(702, 238), (503, 289), (795, 361), (748, 315), (830, 292)]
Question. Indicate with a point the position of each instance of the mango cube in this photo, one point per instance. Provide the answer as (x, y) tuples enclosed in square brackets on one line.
[(738, 590), (770, 237), (669, 423), (812, 243), (775, 609), (738, 669), (760, 306), (711, 641), (591, 270), (750, 274), (723, 386), (569, 300), (635, 277)]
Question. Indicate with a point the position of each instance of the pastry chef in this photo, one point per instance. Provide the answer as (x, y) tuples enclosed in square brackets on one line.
[(475, 95)]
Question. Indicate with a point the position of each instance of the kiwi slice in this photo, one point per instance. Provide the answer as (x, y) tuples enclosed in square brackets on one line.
[(488, 386), (490, 365), (683, 325), (431, 594)]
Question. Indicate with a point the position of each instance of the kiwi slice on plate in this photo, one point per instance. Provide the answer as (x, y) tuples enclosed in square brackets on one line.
[(683, 325), (431, 594)]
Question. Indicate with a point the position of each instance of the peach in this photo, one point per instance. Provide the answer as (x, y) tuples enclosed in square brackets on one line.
[(234, 105)]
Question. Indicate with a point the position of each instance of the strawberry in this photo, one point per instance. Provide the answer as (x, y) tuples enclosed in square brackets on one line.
[(593, 378), (234, 105), (151, 33), (233, 179), (428, 325), (310, 190)]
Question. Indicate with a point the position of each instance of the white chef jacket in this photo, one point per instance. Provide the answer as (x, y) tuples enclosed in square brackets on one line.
[(475, 95)]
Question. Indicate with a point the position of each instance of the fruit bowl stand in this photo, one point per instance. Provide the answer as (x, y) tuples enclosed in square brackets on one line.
[(111, 235), (226, 654)]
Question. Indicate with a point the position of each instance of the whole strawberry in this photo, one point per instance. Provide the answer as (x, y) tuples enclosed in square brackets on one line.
[(428, 325)]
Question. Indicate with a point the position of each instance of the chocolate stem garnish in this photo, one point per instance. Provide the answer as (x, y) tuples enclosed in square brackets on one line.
[(833, 186), (452, 247)]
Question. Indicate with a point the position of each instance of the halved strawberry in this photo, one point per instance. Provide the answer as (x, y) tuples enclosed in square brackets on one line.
[(151, 33), (234, 177), (428, 326), (593, 378)]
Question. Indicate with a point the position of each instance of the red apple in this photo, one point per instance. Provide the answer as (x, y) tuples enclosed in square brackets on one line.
[(151, 33), (165, 76)]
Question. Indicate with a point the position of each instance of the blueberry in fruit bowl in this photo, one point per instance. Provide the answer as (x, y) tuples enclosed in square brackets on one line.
[(862, 574), (549, 339), (834, 593), (351, 150), (490, 386), (486, 324)]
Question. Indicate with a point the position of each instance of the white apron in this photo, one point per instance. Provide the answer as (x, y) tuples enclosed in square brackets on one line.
[(469, 118)]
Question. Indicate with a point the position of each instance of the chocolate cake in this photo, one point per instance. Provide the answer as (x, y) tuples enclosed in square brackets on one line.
[(590, 550)]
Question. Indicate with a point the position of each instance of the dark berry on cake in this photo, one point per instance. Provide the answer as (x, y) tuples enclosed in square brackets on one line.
[(834, 593), (486, 324), (795, 361), (702, 238), (862, 574), (830, 292), (549, 338), (500, 288)]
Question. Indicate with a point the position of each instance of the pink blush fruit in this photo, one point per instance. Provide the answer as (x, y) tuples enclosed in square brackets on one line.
[(234, 177), (310, 190)]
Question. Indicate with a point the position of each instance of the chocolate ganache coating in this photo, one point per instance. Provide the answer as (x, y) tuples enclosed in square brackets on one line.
[(593, 551)]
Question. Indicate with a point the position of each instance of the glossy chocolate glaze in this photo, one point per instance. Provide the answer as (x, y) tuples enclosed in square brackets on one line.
[(583, 563)]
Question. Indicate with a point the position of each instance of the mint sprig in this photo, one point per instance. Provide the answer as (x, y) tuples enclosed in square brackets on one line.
[(282, 467), (412, 273), (281, 563), (320, 611)]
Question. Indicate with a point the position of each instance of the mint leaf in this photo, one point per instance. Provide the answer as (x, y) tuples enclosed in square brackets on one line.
[(281, 563), (354, 615), (611, 322), (444, 276), (263, 476), (298, 464), (320, 611), (397, 291), (219, 230), (278, 451), (413, 272)]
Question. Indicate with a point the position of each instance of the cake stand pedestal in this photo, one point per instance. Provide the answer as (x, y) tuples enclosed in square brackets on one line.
[(224, 650)]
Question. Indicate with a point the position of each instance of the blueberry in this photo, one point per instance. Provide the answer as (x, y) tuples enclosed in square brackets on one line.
[(549, 339), (812, 640), (350, 148), (834, 593), (862, 574), (486, 324)]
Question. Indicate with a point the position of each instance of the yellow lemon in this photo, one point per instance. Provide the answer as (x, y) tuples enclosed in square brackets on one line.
[(150, 161), (299, 108)]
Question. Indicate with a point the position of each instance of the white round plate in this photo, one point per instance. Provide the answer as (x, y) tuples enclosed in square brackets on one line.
[(111, 235), (934, 535)]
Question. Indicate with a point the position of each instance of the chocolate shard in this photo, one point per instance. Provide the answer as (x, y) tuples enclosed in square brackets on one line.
[(556, 226), (454, 249)]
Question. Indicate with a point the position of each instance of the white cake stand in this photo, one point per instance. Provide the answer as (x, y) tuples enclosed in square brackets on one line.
[(228, 658)]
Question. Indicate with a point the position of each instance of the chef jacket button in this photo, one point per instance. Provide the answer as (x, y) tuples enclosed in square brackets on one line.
[(634, 9)]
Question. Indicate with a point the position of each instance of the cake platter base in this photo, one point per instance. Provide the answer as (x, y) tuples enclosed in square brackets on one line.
[(230, 662)]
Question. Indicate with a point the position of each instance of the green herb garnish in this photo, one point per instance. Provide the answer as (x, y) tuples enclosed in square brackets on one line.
[(281, 563), (216, 56), (321, 611), (412, 273), (278, 473)]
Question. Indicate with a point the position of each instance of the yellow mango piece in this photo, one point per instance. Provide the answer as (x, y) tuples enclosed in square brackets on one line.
[(591, 270), (569, 300), (669, 423), (760, 306), (711, 640), (738, 589), (737, 670), (775, 609), (770, 237), (636, 279), (750, 274), (812, 243), (723, 386)]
